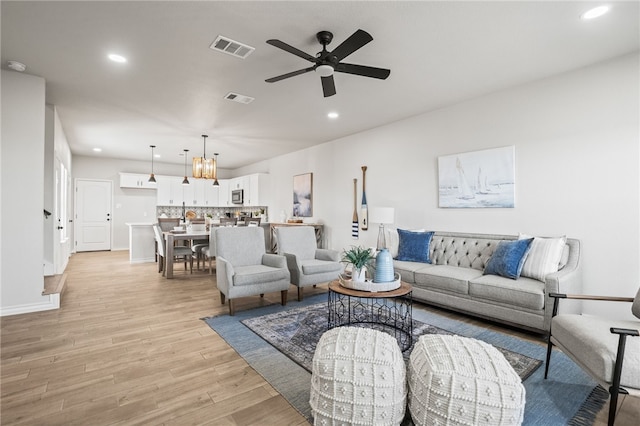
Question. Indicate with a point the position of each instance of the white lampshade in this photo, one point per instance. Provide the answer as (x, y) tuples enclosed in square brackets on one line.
[(383, 215)]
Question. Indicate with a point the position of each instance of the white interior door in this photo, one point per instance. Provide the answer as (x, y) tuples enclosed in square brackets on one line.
[(93, 215), (61, 243)]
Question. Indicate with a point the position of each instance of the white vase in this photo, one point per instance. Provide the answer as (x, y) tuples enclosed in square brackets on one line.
[(359, 275)]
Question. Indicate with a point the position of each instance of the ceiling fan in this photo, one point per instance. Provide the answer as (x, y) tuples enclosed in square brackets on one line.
[(326, 63)]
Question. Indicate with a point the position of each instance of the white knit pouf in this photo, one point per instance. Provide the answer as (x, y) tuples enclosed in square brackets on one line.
[(358, 378), (455, 380)]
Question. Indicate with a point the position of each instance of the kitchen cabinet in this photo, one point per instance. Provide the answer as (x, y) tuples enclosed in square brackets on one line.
[(136, 180), (170, 190), (256, 190), (223, 193), (192, 193)]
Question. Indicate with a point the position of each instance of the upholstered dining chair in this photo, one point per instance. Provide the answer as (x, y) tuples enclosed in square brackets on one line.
[(168, 223), (253, 221), (209, 251), (308, 265), (182, 252), (228, 221), (243, 268), (600, 346)]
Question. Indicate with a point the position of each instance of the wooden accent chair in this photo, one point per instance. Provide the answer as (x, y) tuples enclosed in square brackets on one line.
[(243, 268), (307, 264), (599, 346)]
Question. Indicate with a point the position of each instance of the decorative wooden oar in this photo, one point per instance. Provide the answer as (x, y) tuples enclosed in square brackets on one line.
[(364, 212), (355, 223)]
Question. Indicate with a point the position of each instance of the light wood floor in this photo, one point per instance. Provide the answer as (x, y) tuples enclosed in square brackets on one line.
[(128, 347)]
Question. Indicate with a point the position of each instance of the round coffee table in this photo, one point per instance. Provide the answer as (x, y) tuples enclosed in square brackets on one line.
[(389, 311)]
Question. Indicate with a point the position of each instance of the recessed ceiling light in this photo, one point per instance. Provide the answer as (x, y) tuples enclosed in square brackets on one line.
[(333, 115), (97, 149), (117, 58), (594, 13), (156, 155)]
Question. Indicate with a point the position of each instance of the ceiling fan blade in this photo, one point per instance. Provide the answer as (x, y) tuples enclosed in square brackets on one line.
[(363, 70), (289, 74), (350, 45), (328, 86), (288, 48)]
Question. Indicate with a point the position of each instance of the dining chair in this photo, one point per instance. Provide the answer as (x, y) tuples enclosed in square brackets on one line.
[(199, 224), (166, 225), (228, 221), (252, 221), (599, 346), (307, 264), (183, 252), (209, 251)]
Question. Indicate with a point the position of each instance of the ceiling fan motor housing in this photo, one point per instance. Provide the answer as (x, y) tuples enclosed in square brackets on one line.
[(324, 37)]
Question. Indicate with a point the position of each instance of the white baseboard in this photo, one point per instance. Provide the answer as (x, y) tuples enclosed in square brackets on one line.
[(51, 304)]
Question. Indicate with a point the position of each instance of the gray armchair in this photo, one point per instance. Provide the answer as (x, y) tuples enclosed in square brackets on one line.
[(599, 346), (244, 269), (308, 265)]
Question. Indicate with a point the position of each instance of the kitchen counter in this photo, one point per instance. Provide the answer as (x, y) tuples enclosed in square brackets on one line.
[(141, 242)]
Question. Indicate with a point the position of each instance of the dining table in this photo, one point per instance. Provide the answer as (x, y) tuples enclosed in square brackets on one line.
[(171, 237)]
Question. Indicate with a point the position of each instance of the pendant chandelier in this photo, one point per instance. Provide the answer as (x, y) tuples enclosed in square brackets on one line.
[(215, 169), (152, 177), (185, 181), (204, 167)]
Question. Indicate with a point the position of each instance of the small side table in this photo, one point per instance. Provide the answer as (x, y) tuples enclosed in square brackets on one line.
[(389, 311)]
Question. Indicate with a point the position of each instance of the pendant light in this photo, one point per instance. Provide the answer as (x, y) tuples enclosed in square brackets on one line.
[(152, 177), (203, 167), (215, 170), (185, 181)]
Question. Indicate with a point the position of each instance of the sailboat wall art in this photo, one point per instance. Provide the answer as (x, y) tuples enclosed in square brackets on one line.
[(478, 179)]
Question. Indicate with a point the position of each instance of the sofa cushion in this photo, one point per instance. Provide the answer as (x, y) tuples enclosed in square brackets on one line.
[(525, 292), (449, 278), (407, 269), (255, 274), (508, 259), (414, 246), (393, 240), (316, 266), (544, 256), (460, 250)]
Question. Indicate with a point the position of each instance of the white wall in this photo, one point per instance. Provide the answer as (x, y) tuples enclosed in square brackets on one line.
[(22, 171), (576, 140)]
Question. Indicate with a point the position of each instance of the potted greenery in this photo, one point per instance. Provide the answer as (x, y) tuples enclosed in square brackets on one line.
[(360, 258)]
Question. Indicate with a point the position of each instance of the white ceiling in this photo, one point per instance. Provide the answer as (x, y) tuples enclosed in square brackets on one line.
[(172, 88)]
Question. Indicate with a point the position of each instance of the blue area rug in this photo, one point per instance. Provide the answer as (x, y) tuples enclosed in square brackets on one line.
[(569, 396)]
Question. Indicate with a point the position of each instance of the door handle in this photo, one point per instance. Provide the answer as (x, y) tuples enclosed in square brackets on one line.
[(60, 227)]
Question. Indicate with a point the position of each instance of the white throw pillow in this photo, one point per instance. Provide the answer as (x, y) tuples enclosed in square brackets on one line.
[(393, 240), (544, 256)]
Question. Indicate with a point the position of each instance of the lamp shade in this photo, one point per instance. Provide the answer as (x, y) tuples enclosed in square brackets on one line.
[(383, 215)]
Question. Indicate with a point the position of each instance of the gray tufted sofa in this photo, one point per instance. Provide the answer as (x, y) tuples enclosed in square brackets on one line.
[(455, 280)]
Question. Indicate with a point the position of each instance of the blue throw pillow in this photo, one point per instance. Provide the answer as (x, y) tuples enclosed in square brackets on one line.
[(508, 259), (414, 246)]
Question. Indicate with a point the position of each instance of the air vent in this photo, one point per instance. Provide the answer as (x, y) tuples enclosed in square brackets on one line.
[(232, 47), (236, 97)]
